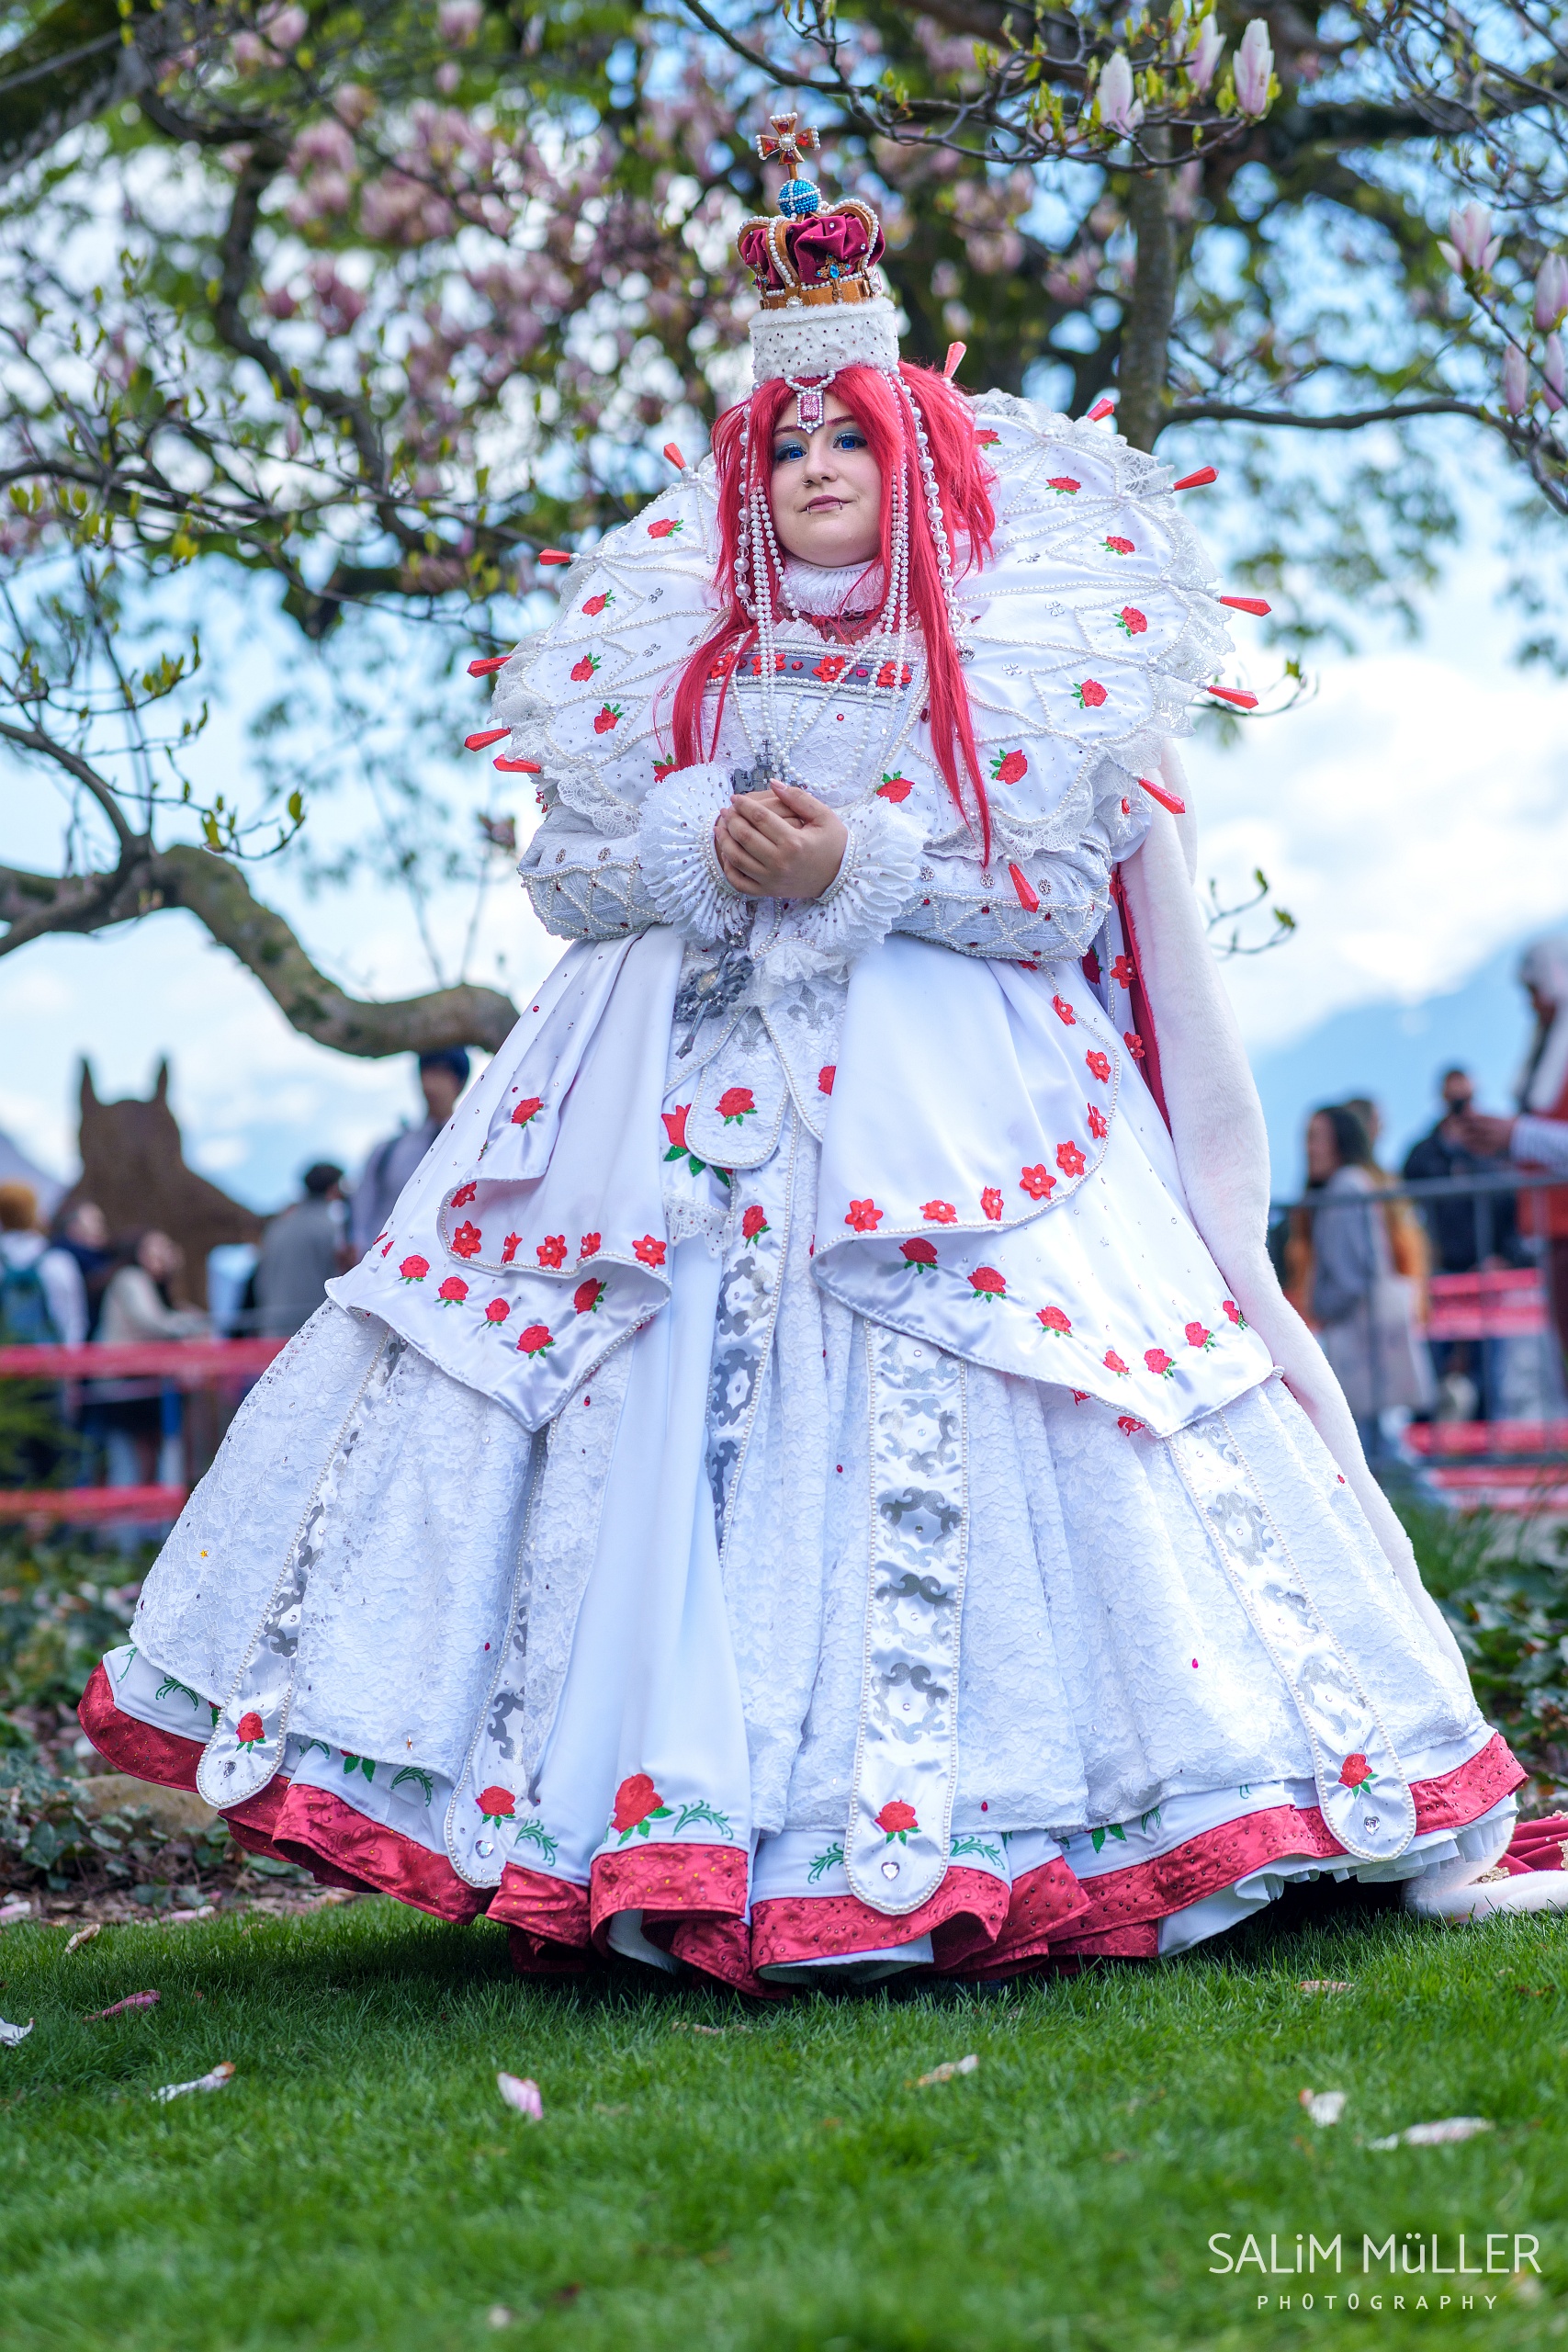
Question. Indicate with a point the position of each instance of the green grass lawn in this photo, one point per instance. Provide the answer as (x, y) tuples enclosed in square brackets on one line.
[(780, 2184)]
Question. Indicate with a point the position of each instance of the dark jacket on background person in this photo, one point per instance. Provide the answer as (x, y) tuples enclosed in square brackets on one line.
[(300, 1255), (1453, 1225)]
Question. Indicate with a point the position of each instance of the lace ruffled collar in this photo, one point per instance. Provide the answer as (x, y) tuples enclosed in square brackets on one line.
[(821, 588)]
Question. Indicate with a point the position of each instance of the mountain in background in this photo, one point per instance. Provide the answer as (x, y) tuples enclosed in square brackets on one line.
[(1396, 1053)]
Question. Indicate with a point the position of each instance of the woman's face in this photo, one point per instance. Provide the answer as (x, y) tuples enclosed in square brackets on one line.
[(827, 489), (1323, 1152), (160, 1256)]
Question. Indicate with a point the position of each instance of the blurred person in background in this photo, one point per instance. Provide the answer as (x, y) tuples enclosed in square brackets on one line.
[(43, 1300), (1468, 1231), (1538, 1135), (1361, 1307), (442, 1078), (83, 1233), (138, 1414), (302, 1249)]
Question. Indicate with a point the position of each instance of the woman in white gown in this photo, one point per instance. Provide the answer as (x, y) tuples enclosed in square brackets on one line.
[(817, 1473)]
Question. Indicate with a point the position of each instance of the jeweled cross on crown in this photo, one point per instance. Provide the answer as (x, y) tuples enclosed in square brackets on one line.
[(786, 138)]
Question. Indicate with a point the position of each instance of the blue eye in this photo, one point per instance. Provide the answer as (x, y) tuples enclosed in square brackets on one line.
[(849, 439), (788, 449)]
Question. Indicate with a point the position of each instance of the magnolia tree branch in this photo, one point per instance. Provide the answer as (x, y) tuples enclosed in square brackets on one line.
[(217, 893)]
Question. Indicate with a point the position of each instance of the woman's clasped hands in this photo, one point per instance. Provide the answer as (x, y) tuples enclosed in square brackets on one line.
[(781, 842)]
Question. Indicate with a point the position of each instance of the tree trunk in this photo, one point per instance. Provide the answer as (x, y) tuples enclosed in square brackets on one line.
[(1145, 330)]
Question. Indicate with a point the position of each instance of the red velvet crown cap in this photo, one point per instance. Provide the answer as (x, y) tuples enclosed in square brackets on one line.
[(835, 242)]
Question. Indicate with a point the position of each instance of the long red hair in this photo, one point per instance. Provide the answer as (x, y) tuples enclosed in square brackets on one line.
[(964, 484)]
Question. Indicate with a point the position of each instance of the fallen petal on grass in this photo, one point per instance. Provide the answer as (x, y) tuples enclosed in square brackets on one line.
[(118, 2009), (1325, 1985), (498, 2317), (188, 1919), (1435, 2135), (223, 2073), (945, 2074), (84, 1936), (521, 2092), (1325, 2106), (16, 1907), (11, 2034), (684, 2025)]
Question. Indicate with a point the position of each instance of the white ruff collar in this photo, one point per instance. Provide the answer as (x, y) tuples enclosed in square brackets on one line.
[(824, 588)]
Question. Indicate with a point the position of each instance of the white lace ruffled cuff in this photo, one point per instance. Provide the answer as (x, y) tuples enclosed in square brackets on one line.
[(680, 865), (879, 875)]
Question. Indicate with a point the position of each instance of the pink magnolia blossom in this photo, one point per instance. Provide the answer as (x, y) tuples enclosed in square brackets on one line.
[(1550, 293), (1204, 54), (458, 21), (1470, 244), (249, 53), (1254, 69), (1120, 107), (325, 142), (287, 30), (354, 104), (1515, 381), (1552, 372)]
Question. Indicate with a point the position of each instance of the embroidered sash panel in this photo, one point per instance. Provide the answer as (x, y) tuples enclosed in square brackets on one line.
[(1361, 1786), (247, 1743), (748, 1310), (895, 1845)]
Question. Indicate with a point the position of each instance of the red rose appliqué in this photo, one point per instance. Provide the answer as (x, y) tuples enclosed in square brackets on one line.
[(898, 1819), (665, 528), (638, 1803), (586, 1297), (453, 1291), (1088, 694), (1199, 1336), (919, 1254), (250, 1731), (1355, 1772), (609, 717), (497, 1311), (1158, 1362), (414, 1269), (1132, 620), (824, 1076), (596, 605), (988, 1284), (737, 1103), (526, 1109), (1064, 485), (894, 787), (583, 671), (1112, 1362), (754, 1222), (497, 1805), (1120, 547), (1234, 1314), (1009, 767), (535, 1340)]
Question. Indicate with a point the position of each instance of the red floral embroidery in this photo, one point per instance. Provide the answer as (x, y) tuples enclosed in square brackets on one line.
[(939, 1212), (824, 1076), (638, 1803), (1054, 1321), (497, 1805), (1009, 767), (1099, 1065), (666, 528), (1199, 1337), (1064, 485), (414, 1269), (987, 1283), (466, 1241), (250, 1731), (1112, 1362), (754, 1222), (865, 1216), (661, 768), (1159, 1362), (832, 667), (1121, 971), (675, 1128), (1133, 1044), (1064, 1011), (1125, 1421), (463, 1195), (1088, 694), (596, 605), (920, 1254), (551, 1252), (589, 1246), (884, 676), (894, 787), (1070, 1160), (1132, 620), (650, 1251), (1037, 1182), (1099, 1125), (898, 1819), (987, 436), (1355, 1772), (1089, 967), (535, 1340), (510, 1247), (737, 1103), (586, 1296), (453, 1291), (1120, 547), (608, 717), (526, 1109), (1234, 1314), (991, 1203), (497, 1311), (583, 671)]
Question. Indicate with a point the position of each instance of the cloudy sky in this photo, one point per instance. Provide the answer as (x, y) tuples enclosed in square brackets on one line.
[(1413, 817)]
